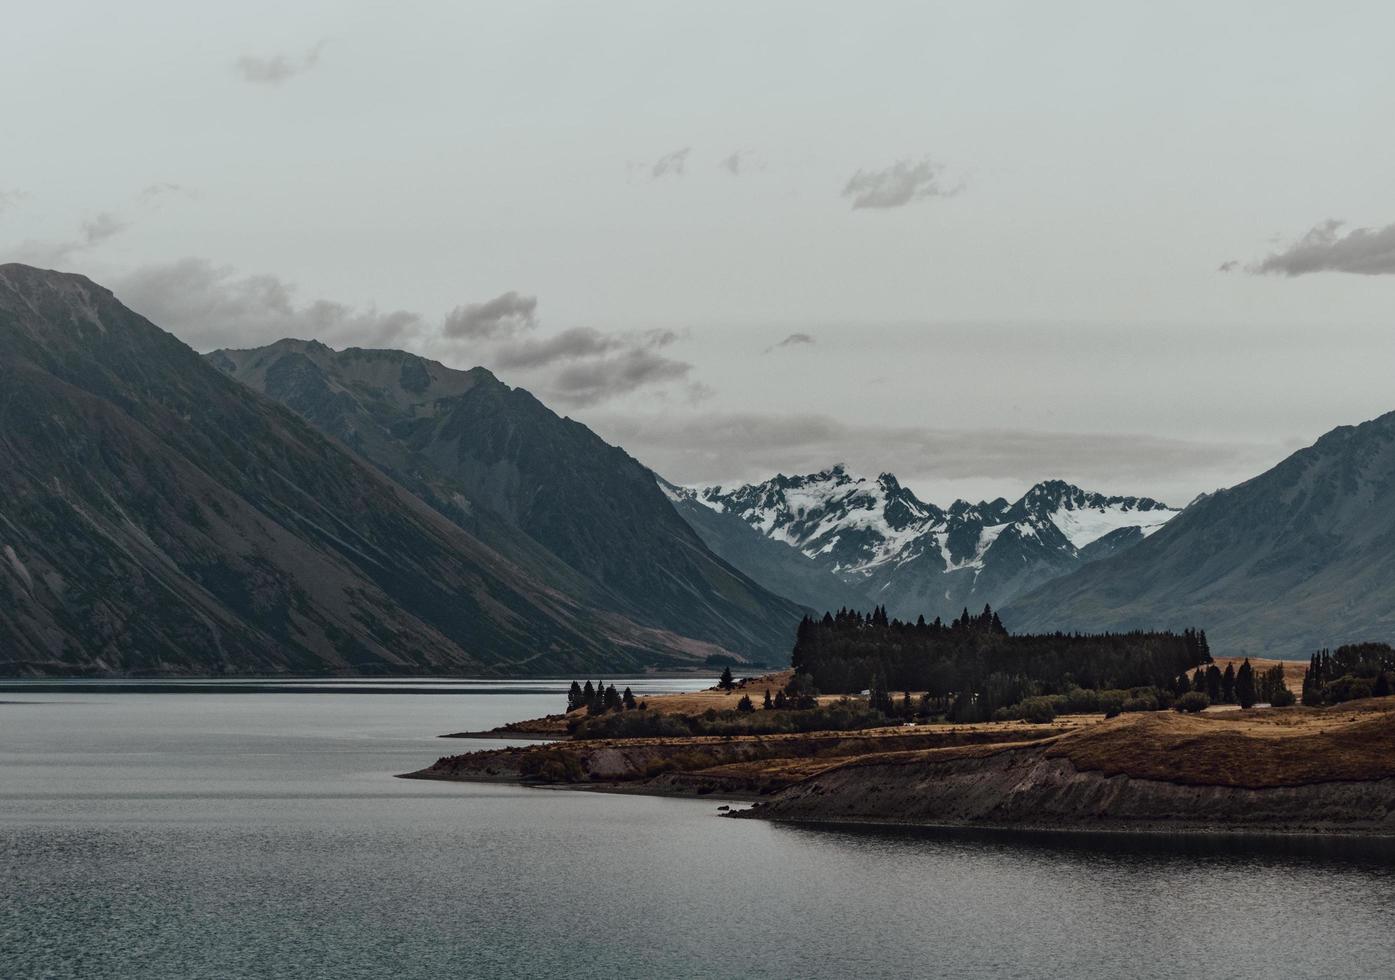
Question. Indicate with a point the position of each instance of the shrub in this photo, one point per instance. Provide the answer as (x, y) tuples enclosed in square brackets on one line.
[(1282, 698), (1145, 703), (1192, 702), (744, 705), (1038, 711)]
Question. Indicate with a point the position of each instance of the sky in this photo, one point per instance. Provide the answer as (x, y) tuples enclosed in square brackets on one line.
[(1146, 248)]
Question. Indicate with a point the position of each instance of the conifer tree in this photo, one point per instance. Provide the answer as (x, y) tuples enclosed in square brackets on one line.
[(1213, 683), (1228, 684), (575, 697), (727, 683), (744, 705), (767, 704), (1245, 685), (628, 700)]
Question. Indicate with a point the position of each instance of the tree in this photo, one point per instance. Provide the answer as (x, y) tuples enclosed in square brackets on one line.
[(1192, 702), (1382, 686), (767, 704), (575, 698), (1228, 684), (1213, 683), (727, 683), (781, 702), (744, 705), (628, 700), (1245, 685), (612, 699)]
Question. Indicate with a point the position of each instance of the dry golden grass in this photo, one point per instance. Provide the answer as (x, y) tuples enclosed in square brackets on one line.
[(1262, 748)]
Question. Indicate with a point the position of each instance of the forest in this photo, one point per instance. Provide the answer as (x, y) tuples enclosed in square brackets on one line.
[(974, 666), (1357, 670)]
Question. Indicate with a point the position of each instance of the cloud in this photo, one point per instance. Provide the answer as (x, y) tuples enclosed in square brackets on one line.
[(9, 198), (505, 315), (95, 231), (277, 68), (671, 164), (610, 377), (1228, 266), (740, 162), (793, 340), (721, 447), (209, 306), (1362, 251), (578, 342), (152, 194), (898, 185)]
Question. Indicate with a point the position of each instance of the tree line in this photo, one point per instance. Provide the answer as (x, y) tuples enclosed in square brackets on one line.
[(600, 697), (1356, 670), (971, 667)]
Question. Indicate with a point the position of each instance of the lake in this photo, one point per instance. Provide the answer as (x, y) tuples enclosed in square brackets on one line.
[(175, 833)]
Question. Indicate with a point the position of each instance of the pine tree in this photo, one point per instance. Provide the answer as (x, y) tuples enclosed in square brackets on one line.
[(575, 697), (628, 700), (744, 705), (1213, 683), (1228, 684), (1245, 685), (767, 704), (1382, 686), (588, 696), (727, 683)]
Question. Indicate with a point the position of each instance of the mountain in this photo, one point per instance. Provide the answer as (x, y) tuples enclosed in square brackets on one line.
[(916, 558), (544, 491), (776, 565), (1300, 557), (157, 516)]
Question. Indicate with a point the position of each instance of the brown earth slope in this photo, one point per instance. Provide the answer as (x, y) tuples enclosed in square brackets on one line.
[(1289, 770)]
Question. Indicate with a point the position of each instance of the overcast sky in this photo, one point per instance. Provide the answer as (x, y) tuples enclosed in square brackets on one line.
[(1149, 248)]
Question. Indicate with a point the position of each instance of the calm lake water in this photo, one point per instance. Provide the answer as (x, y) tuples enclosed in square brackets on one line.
[(262, 835)]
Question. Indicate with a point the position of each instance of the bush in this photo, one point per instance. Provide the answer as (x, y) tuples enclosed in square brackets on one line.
[(1145, 703), (1038, 711), (1192, 702), (1112, 702), (744, 705), (1282, 698)]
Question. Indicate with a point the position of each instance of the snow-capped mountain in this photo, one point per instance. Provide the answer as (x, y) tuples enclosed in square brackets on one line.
[(916, 558)]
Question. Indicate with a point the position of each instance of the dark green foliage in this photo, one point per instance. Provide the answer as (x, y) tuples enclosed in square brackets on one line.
[(727, 682), (1228, 684), (575, 697), (1245, 685), (744, 705), (1038, 711), (628, 700), (1214, 683), (1192, 702), (1357, 670), (767, 704), (972, 666)]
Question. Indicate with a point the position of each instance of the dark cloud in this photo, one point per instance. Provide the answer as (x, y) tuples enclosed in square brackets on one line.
[(1228, 266), (740, 162), (671, 164), (898, 185), (715, 447), (95, 231), (793, 340), (610, 377), (503, 316), (569, 345), (210, 306), (1362, 251), (277, 68)]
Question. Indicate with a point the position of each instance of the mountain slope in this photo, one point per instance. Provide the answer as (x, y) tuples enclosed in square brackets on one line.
[(916, 558), (158, 517), (1300, 557), (544, 490), (774, 564)]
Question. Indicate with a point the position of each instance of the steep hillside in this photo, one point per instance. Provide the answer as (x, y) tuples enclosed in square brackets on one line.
[(777, 566), (1299, 557), (545, 491), (916, 558), (158, 517)]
